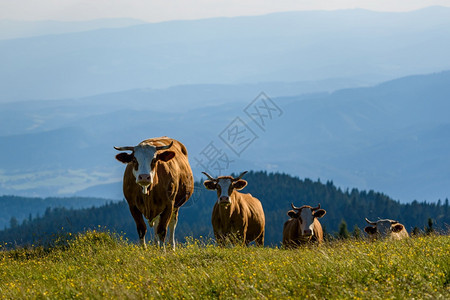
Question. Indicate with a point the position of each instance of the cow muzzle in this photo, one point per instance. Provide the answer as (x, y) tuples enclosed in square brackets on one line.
[(224, 200), (307, 232), (144, 180)]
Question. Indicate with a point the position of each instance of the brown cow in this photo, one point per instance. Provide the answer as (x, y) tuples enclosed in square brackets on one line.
[(386, 229), (303, 227), (156, 183), (236, 218)]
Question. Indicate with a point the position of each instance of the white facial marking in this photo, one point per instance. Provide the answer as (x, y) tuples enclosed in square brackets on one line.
[(224, 187), (144, 155), (307, 220)]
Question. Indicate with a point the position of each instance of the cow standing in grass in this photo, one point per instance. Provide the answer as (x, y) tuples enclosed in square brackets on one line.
[(157, 181), (303, 226), (386, 229), (236, 218)]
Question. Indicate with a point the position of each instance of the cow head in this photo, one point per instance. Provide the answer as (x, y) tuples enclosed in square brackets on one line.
[(224, 185), (383, 228), (306, 215), (143, 159)]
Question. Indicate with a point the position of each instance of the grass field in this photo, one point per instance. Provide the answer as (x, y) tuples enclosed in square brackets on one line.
[(99, 265)]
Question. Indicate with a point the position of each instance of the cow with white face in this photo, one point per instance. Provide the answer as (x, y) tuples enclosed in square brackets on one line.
[(157, 181), (303, 227), (144, 157), (386, 229), (236, 218)]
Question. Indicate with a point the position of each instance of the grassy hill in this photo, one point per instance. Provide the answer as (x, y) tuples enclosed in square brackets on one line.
[(99, 265)]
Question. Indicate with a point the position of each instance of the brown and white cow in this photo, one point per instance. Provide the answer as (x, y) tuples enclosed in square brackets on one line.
[(303, 226), (157, 181), (386, 229), (236, 217)]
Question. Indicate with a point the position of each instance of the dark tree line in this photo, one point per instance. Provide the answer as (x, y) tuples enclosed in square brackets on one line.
[(346, 211), (26, 208)]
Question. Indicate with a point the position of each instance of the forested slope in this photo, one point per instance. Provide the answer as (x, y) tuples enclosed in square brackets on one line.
[(276, 192)]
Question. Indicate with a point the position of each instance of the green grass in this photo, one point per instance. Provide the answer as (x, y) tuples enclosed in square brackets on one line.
[(98, 265)]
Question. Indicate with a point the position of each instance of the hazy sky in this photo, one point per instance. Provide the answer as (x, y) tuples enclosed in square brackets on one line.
[(162, 10)]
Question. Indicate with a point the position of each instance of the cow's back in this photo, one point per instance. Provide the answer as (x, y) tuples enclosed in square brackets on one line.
[(179, 169), (403, 234), (255, 215), (318, 231)]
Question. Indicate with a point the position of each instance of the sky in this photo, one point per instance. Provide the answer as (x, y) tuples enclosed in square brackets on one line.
[(165, 10)]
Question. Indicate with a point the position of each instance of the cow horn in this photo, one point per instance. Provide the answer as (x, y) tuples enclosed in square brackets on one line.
[(209, 176), (315, 208), (127, 148), (296, 208), (164, 147), (240, 176), (371, 223)]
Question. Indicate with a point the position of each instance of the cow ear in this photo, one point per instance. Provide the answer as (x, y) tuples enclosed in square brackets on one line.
[(370, 230), (165, 156), (209, 184), (124, 157), (240, 184), (397, 228), (319, 213), (292, 214)]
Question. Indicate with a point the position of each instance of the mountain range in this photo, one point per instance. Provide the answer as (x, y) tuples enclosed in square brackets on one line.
[(322, 94), (282, 47), (14, 29), (392, 137)]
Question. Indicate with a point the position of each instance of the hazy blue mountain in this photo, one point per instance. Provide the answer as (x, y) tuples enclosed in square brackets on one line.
[(44, 115), (393, 137), (284, 47), (12, 29)]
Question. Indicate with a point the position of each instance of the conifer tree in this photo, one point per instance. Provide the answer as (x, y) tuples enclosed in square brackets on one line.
[(343, 231)]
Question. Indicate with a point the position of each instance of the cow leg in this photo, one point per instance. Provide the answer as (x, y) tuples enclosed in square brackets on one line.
[(220, 239), (238, 238), (140, 224), (154, 224), (172, 225), (243, 239), (161, 229), (260, 240)]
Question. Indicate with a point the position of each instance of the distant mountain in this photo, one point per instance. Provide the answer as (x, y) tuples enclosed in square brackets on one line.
[(393, 137), (276, 192), (284, 47), (12, 29)]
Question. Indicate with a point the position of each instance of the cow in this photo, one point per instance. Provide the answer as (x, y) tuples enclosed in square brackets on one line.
[(386, 229), (157, 181), (237, 218), (303, 226)]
